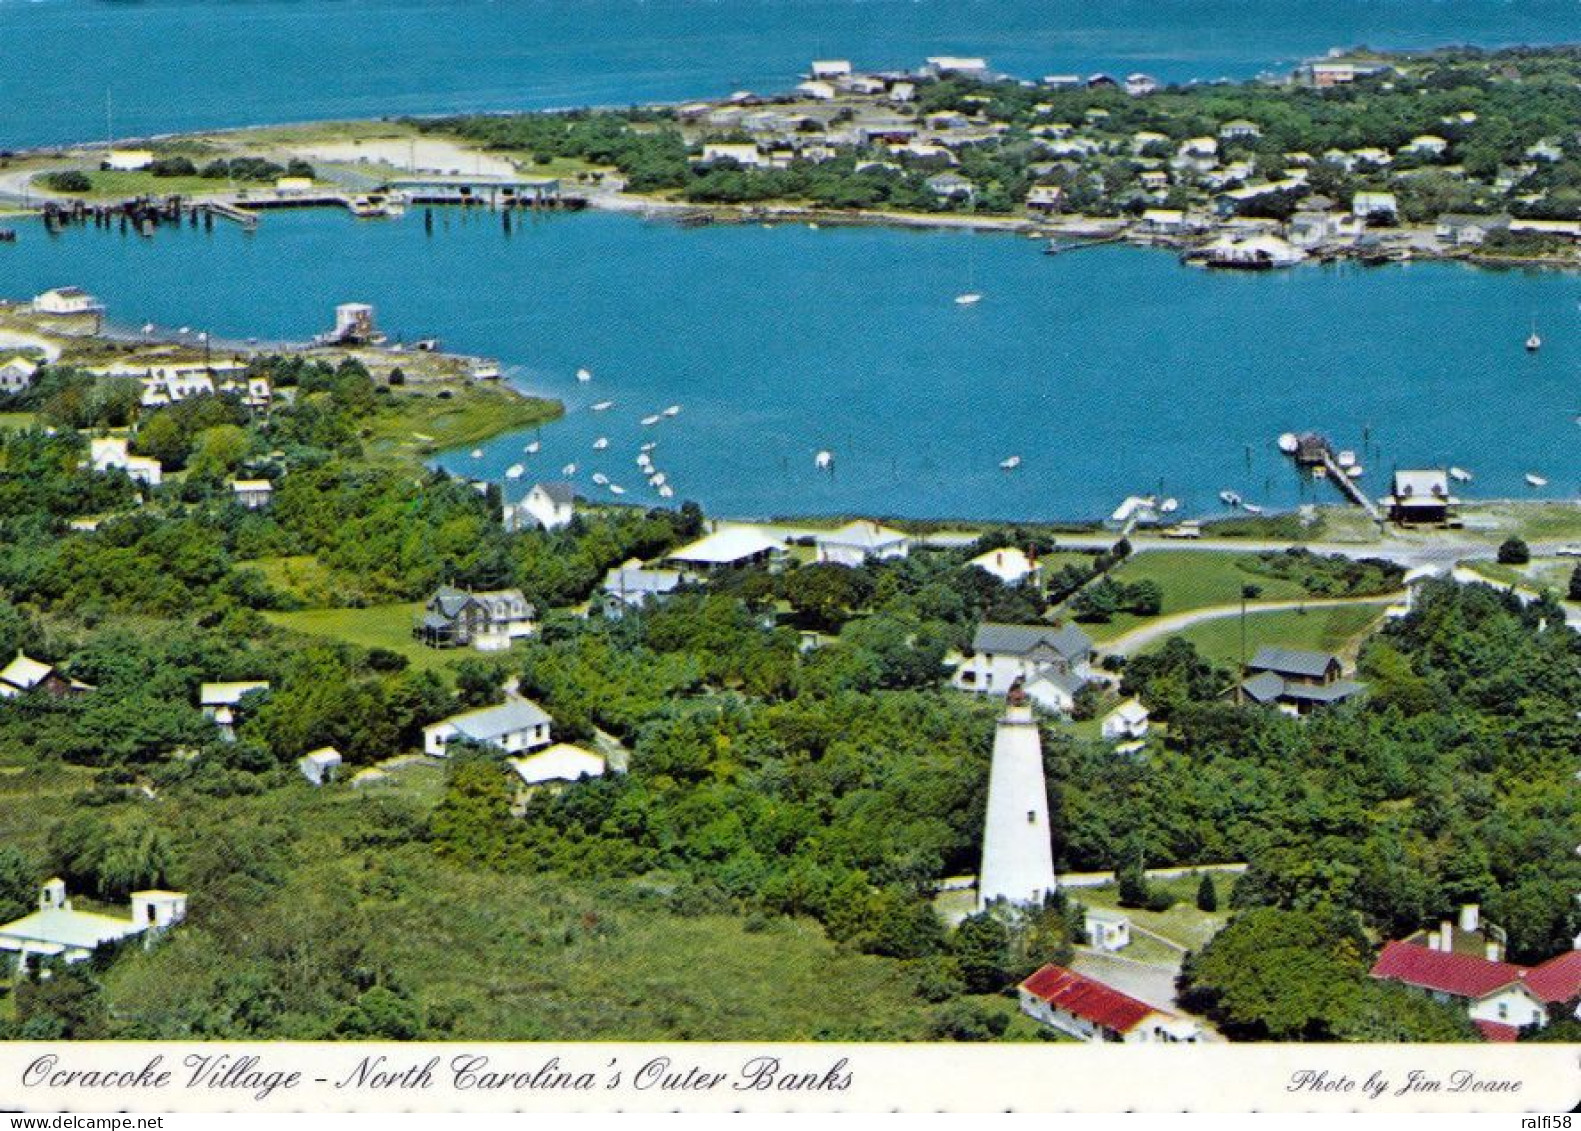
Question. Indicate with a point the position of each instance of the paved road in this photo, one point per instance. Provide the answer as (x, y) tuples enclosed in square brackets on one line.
[(1129, 642)]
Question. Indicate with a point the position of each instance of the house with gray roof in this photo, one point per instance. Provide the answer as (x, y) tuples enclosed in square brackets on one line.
[(516, 726), (488, 621), (631, 585), (1295, 681), (547, 506), (1053, 662)]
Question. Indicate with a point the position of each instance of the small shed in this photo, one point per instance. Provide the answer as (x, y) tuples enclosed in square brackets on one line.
[(1107, 930), (321, 766)]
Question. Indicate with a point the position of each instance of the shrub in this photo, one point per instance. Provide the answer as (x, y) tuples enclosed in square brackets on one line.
[(1513, 551), (68, 180)]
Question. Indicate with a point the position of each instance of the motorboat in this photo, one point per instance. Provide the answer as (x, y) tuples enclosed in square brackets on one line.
[(584, 375), (533, 448), (615, 489), (1229, 498), (1536, 480), (1460, 475), (649, 421), (600, 478), (666, 492), (601, 443), (477, 453), (970, 298), (568, 470), (1010, 464), (515, 471), (603, 406), (824, 461)]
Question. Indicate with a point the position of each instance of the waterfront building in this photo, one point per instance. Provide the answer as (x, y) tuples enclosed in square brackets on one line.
[(1463, 230), (943, 66), (857, 542), (1018, 852), (729, 548), (830, 68), (66, 300), (745, 154), (550, 506), (1365, 205), (1420, 497), (1138, 84), (631, 586), (1296, 681), (1089, 1010), (516, 727), (815, 88), (1045, 198), (129, 160), (58, 931)]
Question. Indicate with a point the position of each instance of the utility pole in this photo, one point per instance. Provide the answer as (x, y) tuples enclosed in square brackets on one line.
[(1248, 593)]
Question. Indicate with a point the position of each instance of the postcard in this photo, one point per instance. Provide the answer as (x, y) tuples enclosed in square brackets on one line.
[(789, 555)]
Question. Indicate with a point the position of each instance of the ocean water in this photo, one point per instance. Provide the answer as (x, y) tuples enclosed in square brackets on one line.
[(81, 69), (1110, 371)]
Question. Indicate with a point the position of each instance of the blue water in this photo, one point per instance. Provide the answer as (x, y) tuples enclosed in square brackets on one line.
[(1110, 371), (172, 65)]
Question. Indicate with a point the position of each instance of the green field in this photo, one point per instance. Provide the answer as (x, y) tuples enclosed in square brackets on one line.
[(1182, 923), (1333, 628), (414, 426), (1191, 579), (16, 421), (116, 184), (1537, 575), (378, 626)]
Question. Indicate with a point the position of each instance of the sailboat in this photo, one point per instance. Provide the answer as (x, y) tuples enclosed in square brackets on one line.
[(601, 443), (1010, 464), (584, 374), (1534, 343)]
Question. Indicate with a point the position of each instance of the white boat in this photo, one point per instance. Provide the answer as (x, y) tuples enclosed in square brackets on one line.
[(532, 448), (1010, 464), (568, 470), (515, 471), (601, 443), (659, 479), (602, 406), (1347, 458), (1534, 343), (477, 453), (1460, 475), (650, 445), (1251, 508), (673, 410), (1169, 506), (1536, 480), (1355, 471), (1229, 498), (600, 478), (1289, 442), (812, 227), (616, 490), (584, 374), (666, 492), (970, 298), (648, 421), (823, 461)]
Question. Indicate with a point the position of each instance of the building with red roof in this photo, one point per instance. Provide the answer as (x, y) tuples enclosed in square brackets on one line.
[(1089, 1010), (1500, 997), (1558, 981)]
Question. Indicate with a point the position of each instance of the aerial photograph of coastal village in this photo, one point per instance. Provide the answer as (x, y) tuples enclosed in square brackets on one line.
[(799, 520)]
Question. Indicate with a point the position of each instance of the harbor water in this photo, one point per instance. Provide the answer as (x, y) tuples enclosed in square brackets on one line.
[(1111, 371)]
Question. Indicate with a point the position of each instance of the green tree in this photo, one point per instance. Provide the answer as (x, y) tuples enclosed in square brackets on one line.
[(981, 947), (18, 884), (1207, 894), (1514, 551)]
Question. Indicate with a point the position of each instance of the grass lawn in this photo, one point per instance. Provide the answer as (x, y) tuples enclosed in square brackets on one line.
[(1533, 521), (115, 184), (1539, 574), (378, 626), (303, 576), (416, 425), (1190, 579), (16, 421), (1182, 923), (1334, 628)]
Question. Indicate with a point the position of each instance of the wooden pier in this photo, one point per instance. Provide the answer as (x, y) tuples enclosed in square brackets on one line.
[(1314, 452)]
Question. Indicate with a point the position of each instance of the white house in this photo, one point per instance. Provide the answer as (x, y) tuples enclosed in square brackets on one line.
[(1107, 930), (1127, 721), (1428, 145), (1365, 204), (631, 586), (744, 153), (561, 762), (817, 88), (1238, 129), (1009, 565), (219, 702), (942, 65), (106, 453), (321, 766), (66, 300), (17, 374), (1045, 198), (830, 68), (516, 727), (1089, 1010), (55, 930), (951, 186), (129, 160), (732, 546), (856, 542), (253, 494), (1052, 663), (548, 505)]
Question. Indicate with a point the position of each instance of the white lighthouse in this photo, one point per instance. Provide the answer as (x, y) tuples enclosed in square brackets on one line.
[(1018, 855)]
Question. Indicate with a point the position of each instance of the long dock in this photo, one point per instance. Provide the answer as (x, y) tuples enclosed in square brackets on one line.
[(1314, 451)]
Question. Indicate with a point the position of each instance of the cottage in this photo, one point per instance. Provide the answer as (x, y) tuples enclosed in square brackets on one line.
[(516, 726), (550, 506), (488, 621), (1462, 230), (1164, 221), (1089, 1010), (745, 154), (17, 374), (24, 674), (1127, 721), (1138, 84), (969, 66), (561, 762), (631, 586), (220, 702), (321, 766), (1383, 205), (1420, 497), (1107, 930), (254, 494), (1239, 129), (1053, 663), (951, 186), (1427, 145), (1153, 180), (1325, 75), (67, 300), (1009, 565), (1045, 198), (903, 92), (110, 453), (1296, 681), (856, 542), (729, 548), (817, 89), (830, 68), (128, 160), (56, 931)]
